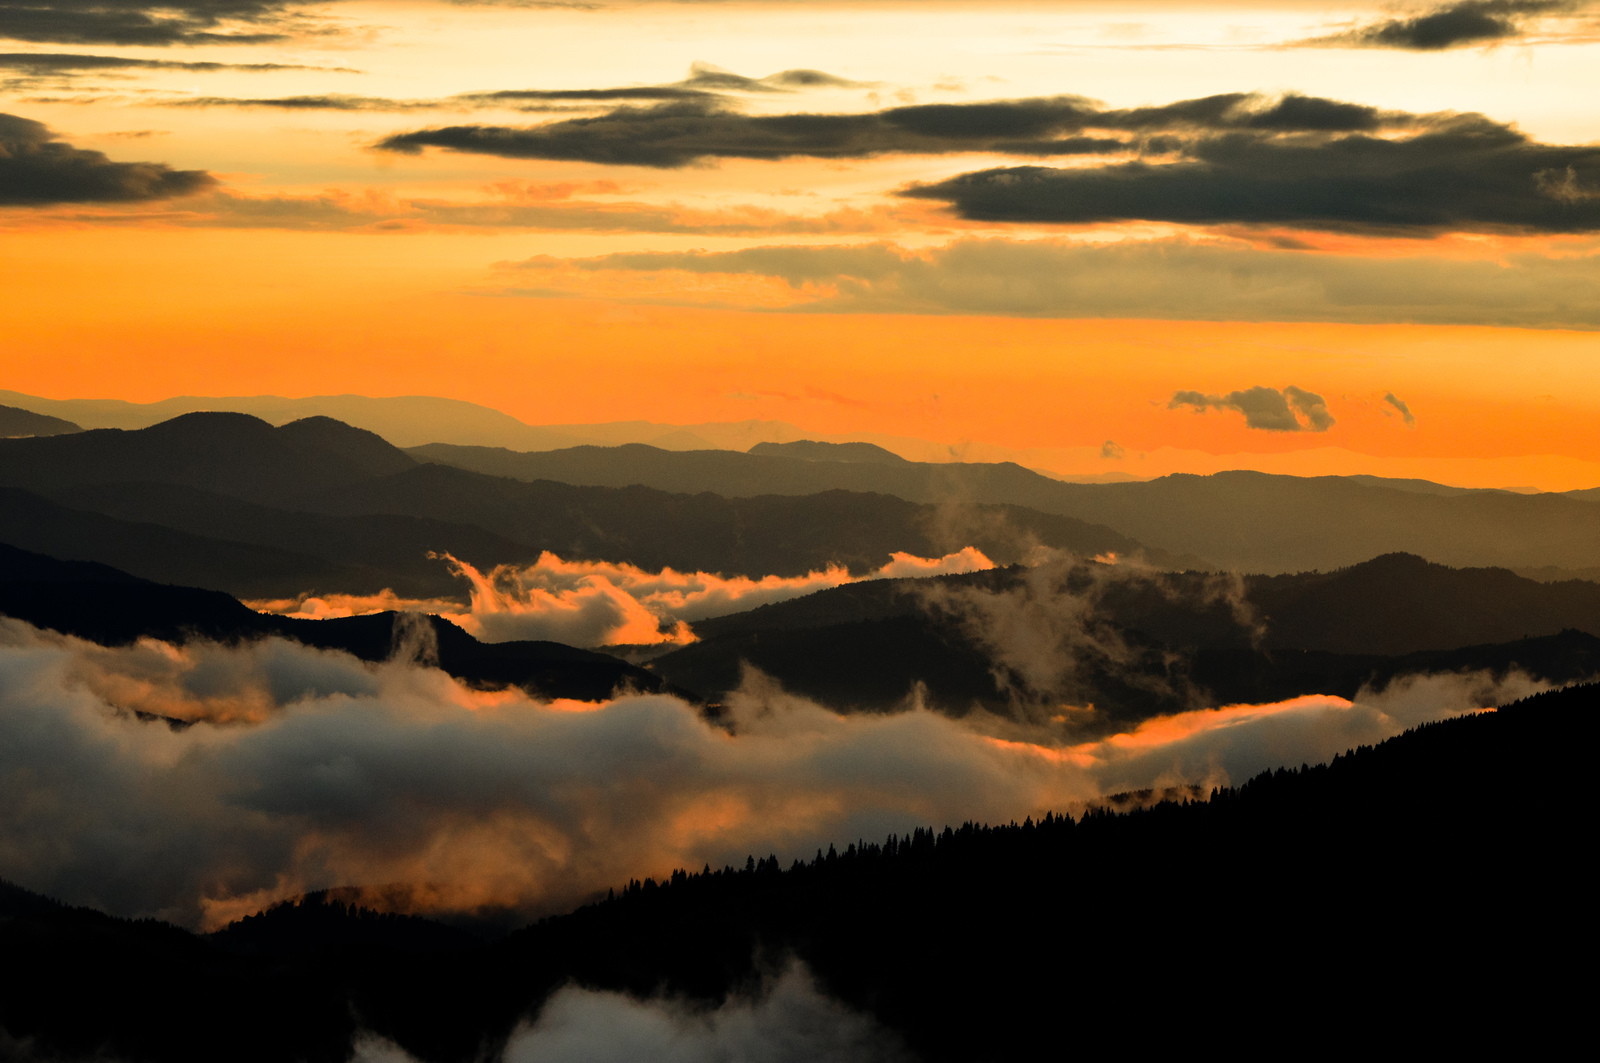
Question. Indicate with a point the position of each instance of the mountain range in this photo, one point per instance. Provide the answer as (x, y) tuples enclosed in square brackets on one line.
[(228, 501), (106, 606), (1248, 521)]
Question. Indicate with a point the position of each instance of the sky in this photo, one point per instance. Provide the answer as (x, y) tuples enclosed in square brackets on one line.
[(1130, 237)]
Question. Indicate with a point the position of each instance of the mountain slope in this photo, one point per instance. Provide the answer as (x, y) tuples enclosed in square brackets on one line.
[(775, 534)]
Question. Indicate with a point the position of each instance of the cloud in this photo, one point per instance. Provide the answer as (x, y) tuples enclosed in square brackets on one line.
[(1289, 410), (38, 169), (1467, 22), (1111, 452), (332, 101), (509, 206), (597, 603), (704, 83), (788, 1020), (39, 65), (1173, 279), (686, 130), (1499, 180), (1233, 158), (139, 22), (454, 799), (1405, 411), (1049, 638)]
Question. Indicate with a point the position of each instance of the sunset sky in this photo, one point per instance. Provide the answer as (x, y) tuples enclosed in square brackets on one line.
[(1135, 237)]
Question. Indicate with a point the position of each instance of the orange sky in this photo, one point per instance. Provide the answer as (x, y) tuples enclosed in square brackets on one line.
[(235, 293)]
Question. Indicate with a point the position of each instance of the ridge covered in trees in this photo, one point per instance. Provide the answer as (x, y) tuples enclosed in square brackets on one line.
[(1425, 885)]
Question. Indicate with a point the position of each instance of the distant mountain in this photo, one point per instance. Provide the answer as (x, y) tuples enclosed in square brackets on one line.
[(15, 422), (1248, 521), (114, 609), (784, 535), (1447, 856), (811, 450)]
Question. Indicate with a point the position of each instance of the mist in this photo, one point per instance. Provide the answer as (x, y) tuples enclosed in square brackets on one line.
[(598, 603), (282, 769), (787, 1020)]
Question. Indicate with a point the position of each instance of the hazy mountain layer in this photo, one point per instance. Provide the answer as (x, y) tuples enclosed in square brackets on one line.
[(1440, 857), (1252, 522), (317, 505)]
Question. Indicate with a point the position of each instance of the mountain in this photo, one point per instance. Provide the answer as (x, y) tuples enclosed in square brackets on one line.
[(167, 555), (112, 608), (1247, 521), (15, 422), (1449, 856), (227, 453), (1142, 643), (812, 450), (774, 534)]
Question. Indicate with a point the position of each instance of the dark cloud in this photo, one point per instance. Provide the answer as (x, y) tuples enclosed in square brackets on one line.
[(1453, 172), (1112, 452), (141, 22), (1233, 158), (1271, 410), (686, 131), (1405, 411), (37, 169), (1450, 26), (43, 63), (326, 102), (704, 83), (691, 125)]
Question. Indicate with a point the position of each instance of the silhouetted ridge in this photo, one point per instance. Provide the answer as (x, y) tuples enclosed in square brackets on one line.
[(113, 609), (1249, 521), (230, 453), (318, 922), (813, 450), (1442, 869), (16, 422)]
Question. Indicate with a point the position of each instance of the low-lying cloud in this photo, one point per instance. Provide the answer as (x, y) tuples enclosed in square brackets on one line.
[(442, 798), (37, 168), (1173, 279), (788, 1020), (1290, 410), (596, 603)]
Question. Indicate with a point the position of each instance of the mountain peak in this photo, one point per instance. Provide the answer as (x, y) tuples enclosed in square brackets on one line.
[(815, 450)]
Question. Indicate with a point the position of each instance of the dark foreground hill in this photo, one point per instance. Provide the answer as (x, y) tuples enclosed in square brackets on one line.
[(1421, 892), (228, 502), (1249, 521), (112, 608)]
